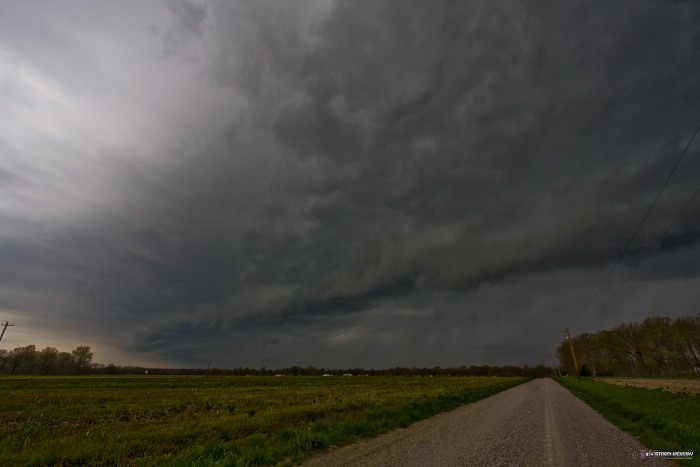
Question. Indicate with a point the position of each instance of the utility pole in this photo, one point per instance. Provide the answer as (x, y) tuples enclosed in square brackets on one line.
[(573, 354), (7, 323)]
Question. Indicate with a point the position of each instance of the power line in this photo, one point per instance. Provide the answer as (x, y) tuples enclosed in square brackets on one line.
[(648, 253), (639, 226)]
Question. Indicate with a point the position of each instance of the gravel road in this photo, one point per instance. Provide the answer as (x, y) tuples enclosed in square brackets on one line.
[(538, 423)]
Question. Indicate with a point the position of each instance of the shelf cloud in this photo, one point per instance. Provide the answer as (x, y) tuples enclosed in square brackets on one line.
[(344, 184)]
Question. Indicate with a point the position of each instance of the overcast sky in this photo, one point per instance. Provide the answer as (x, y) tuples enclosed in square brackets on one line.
[(343, 184)]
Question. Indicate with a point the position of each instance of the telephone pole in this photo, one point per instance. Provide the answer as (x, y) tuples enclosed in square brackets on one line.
[(7, 323), (573, 354)]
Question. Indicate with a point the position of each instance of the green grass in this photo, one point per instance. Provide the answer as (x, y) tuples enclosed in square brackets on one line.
[(237, 421), (662, 421)]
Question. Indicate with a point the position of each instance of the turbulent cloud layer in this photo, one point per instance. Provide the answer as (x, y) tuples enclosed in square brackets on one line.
[(344, 184)]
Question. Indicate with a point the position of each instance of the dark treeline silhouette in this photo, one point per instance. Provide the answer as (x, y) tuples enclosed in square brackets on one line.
[(657, 346), (49, 361), (536, 371)]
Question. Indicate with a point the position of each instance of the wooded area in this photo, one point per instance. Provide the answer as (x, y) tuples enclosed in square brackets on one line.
[(658, 346), (48, 361)]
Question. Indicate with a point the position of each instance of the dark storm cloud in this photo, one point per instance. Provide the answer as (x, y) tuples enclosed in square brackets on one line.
[(383, 183), (434, 122)]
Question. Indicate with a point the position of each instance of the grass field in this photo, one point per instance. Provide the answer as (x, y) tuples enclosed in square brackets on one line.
[(661, 420), (213, 420)]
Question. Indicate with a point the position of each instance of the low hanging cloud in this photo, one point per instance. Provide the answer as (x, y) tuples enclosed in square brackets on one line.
[(343, 184)]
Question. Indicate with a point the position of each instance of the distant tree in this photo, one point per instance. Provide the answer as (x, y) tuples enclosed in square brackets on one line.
[(65, 364), (82, 358), (22, 360), (687, 331), (47, 360), (3, 360)]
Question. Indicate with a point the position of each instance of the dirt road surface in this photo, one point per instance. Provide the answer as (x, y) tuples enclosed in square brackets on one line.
[(538, 423)]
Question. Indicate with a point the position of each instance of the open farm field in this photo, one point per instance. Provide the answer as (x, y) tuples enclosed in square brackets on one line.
[(213, 420), (687, 385), (661, 420)]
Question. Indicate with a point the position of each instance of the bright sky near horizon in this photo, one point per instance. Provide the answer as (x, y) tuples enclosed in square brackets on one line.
[(343, 184)]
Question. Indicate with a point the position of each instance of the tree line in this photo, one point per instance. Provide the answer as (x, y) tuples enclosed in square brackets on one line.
[(537, 371), (50, 361), (658, 346)]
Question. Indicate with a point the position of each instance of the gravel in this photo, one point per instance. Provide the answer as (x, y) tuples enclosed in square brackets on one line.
[(537, 423)]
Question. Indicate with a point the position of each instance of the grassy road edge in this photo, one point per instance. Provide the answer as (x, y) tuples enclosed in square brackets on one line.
[(660, 420)]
